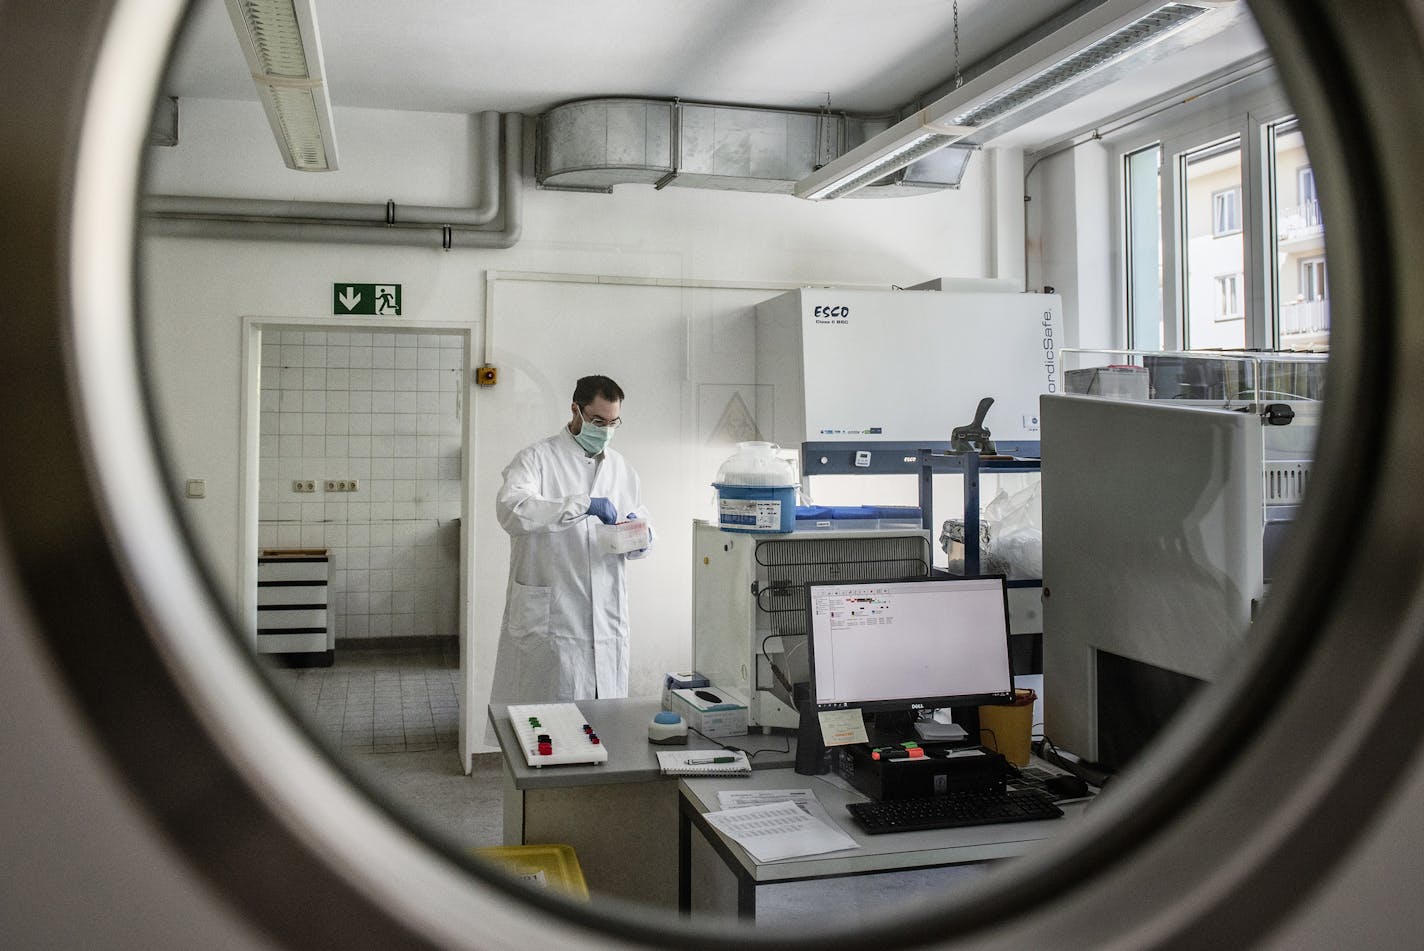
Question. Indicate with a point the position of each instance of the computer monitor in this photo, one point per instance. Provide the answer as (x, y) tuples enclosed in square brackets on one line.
[(918, 644)]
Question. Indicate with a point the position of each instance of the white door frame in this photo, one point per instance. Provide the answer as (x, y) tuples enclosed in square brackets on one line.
[(249, 451)]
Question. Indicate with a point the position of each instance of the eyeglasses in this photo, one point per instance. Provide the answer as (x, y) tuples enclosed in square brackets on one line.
[(600, 421)]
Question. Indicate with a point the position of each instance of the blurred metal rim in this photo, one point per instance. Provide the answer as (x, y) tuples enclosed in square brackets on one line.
[(1203, 846)]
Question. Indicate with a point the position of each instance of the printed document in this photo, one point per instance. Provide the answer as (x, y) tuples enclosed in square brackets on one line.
[(779, 830), (805, 798)]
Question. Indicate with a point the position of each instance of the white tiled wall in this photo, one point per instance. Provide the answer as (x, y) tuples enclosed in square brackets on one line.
[(383, 409)]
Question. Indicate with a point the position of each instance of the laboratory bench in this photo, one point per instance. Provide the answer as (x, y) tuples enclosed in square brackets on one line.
[(621, 816)]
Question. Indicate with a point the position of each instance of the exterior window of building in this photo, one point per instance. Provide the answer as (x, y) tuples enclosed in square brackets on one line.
[(1228, 297), (1305, 190), (1312, 280), (1302, 304), (1212, 241), (1143, 201), (1226, 212)]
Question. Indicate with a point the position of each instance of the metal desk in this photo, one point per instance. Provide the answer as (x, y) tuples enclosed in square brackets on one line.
[(898, 851), (619, 816)]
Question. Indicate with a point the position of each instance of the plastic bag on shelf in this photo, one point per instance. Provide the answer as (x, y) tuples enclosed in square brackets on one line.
[(1016, 527), (1010, 536)]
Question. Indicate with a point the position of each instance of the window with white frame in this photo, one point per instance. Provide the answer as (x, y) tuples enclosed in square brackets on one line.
[(1301, 311), (1312, 280), (1142, 196), (1210, 196), (1228, 297), (1226, 212), (1305, 194), (1238, 198)]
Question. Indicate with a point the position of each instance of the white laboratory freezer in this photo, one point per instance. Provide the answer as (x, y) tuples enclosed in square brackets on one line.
[(905, 366)]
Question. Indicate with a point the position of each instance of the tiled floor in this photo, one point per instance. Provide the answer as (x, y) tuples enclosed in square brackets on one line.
[(393, 716), (381, 701)]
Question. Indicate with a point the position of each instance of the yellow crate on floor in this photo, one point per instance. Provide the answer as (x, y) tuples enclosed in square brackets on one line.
[(550, 866)]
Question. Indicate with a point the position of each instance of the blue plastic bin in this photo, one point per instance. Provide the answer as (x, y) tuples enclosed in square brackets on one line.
[(842, 517), (756, 509)]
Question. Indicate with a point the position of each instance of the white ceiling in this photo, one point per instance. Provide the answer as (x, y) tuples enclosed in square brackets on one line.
[(527, 55)]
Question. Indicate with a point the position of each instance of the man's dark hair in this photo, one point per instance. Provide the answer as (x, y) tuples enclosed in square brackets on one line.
[(590, 386)]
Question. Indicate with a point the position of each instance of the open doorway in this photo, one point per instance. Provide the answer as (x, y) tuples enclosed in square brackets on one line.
[(357, 445)]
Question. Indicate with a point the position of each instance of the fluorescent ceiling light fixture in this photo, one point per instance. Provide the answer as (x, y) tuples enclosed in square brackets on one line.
[(890, 159), (1111, 48), (279, 39), (1107, 34)]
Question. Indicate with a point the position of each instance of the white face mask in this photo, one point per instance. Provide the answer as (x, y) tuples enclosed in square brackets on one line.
[(593, 439)]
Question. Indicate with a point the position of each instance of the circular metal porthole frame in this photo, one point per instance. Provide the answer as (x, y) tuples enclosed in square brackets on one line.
[(1203, 846)]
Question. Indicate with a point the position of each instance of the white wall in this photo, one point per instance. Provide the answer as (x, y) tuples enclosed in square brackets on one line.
[(1071, 242), (679, 353)]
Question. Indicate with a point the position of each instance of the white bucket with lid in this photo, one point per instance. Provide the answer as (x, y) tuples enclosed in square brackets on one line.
[(756, 491)]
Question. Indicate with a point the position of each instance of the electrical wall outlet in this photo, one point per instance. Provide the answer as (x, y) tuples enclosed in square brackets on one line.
[(331, 485), (304, 485), (342, 485)]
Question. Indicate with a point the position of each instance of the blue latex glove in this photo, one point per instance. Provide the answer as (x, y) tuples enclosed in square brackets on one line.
[(603, 510)]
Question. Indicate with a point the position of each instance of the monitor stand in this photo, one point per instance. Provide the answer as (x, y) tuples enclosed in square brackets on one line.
[(811, 758), (890, 727), (932, 731)]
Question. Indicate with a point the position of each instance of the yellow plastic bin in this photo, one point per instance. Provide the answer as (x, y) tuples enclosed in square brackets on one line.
[(540, 866), (1007, 728)]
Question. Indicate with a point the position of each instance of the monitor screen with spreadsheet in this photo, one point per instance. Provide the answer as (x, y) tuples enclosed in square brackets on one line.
[(907, 645)]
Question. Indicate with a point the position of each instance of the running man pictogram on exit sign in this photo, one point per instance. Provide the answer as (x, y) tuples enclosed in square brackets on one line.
[(372, 300)]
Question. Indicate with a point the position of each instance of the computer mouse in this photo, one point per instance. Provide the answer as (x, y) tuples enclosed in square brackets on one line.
[(709, 696), (1065, 786)]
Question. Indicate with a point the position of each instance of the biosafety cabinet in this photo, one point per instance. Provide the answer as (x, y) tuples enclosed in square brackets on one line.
[(905, 367), (749, 602)]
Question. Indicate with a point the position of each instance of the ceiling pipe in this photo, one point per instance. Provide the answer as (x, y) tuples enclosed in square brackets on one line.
[(267, 220), (485, 209)]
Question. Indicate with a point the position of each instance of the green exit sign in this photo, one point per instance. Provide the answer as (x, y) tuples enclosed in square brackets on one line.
[(370, 300)]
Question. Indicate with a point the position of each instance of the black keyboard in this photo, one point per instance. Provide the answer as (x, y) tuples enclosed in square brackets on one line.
[(967, 808)]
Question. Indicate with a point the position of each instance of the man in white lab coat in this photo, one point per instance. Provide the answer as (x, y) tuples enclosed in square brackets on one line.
[(565, 630)]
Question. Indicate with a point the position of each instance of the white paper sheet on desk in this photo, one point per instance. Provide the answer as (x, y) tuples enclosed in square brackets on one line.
[(804, 798), (779, 830)]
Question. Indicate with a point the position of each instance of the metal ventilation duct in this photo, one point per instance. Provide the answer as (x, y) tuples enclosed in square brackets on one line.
[(594, 144)]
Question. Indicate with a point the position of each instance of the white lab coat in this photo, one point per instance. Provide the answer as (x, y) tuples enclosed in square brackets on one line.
[(565, 629)]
